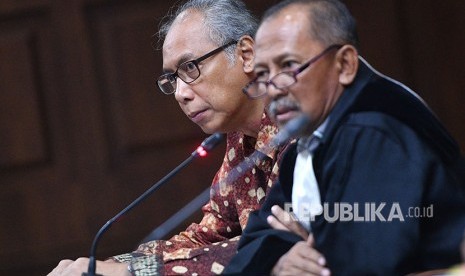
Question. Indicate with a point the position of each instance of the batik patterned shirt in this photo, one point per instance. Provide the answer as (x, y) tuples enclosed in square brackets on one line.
[(206, 247)]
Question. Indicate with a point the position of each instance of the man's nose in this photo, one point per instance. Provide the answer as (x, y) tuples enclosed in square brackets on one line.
[(184, 92), (273, 92)]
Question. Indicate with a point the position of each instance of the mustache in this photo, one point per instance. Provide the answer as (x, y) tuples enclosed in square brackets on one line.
[(281, 105)]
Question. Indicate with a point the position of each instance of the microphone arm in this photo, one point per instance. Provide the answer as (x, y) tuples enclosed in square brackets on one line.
[(208, 144), (292, 129)]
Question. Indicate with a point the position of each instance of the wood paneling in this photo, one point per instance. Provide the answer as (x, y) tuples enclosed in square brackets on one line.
[(419, 43), (84, 129), (23, 142), (137, 120)]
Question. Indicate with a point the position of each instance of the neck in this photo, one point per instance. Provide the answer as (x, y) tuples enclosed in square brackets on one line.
[(252, 119)]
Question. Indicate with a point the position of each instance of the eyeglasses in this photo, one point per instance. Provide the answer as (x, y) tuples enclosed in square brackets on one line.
[(257, 88), (187, 71)]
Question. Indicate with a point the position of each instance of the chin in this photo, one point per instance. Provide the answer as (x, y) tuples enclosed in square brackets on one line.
[(207, 130), (210, 128), (283, 121)]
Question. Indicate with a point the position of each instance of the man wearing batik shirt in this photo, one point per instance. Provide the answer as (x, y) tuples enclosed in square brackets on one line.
[(205, 248), (213, 99), (207, 59)]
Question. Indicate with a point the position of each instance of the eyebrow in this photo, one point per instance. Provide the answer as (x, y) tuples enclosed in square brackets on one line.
[(275, 60), (185, 57), (283, 56)]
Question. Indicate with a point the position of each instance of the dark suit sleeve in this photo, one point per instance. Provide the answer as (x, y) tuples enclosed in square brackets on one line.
[(444, 230), (374, 162)]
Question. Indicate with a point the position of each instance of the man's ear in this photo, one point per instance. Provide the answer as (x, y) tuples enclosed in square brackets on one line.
[(247, 53), (347, 60)]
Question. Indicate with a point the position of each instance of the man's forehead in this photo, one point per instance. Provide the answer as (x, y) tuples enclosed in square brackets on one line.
[(181, 42), (179, 33), (183, 16), (286, 20), (279, 39)]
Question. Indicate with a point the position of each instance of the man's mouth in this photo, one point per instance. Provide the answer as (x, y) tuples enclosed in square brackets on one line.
[(283, 110), (197, 116), (284, 115)]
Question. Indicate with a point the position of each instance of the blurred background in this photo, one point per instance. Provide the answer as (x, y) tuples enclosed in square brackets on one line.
[(84, 129)]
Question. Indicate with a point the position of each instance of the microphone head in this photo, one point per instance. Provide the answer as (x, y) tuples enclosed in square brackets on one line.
[(212, 141), (291, 129), (296, 126)]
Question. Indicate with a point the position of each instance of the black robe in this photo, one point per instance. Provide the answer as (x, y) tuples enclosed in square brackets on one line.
[(382, 147)]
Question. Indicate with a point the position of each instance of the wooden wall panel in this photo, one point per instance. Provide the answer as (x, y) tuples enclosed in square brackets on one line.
[(141, 117), (23, 127), (381, 36), (418, 43), (435, 41), (84, 129), (34, 144), (145, 132)]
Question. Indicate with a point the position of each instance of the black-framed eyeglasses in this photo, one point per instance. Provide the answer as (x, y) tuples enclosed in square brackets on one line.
[(258, 88), (187, 71)]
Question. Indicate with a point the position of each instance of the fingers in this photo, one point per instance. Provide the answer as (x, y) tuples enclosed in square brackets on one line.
[(310, 240), (301, 259), (319, 258), (62, 265), (308, 259), (76, 268), (70, 268), (309, 253), (276, 224), (283, 220), (283, 216)]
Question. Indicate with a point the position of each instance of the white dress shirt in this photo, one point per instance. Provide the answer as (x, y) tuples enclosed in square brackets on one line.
[(306, 202)]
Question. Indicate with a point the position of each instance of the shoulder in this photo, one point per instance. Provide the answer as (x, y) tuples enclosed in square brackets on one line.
[(382, 133), (386, 125)]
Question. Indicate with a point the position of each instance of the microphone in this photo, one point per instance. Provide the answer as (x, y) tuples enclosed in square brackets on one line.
[(208, 144), (292, 129)]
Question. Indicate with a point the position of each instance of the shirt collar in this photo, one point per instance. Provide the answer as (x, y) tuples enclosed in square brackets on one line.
[(310, 143)]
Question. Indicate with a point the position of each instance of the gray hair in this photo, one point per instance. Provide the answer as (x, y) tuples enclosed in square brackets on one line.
[(225, 20), (331, 21)]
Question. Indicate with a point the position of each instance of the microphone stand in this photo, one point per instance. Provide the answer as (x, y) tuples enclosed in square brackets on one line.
[(292, 129), (208, 144)]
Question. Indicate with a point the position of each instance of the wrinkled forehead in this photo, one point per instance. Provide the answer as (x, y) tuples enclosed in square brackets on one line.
[(285, 32)]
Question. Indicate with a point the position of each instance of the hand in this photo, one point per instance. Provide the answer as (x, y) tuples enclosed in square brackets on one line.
[(69, 268), (282, 220), (301, 259)]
